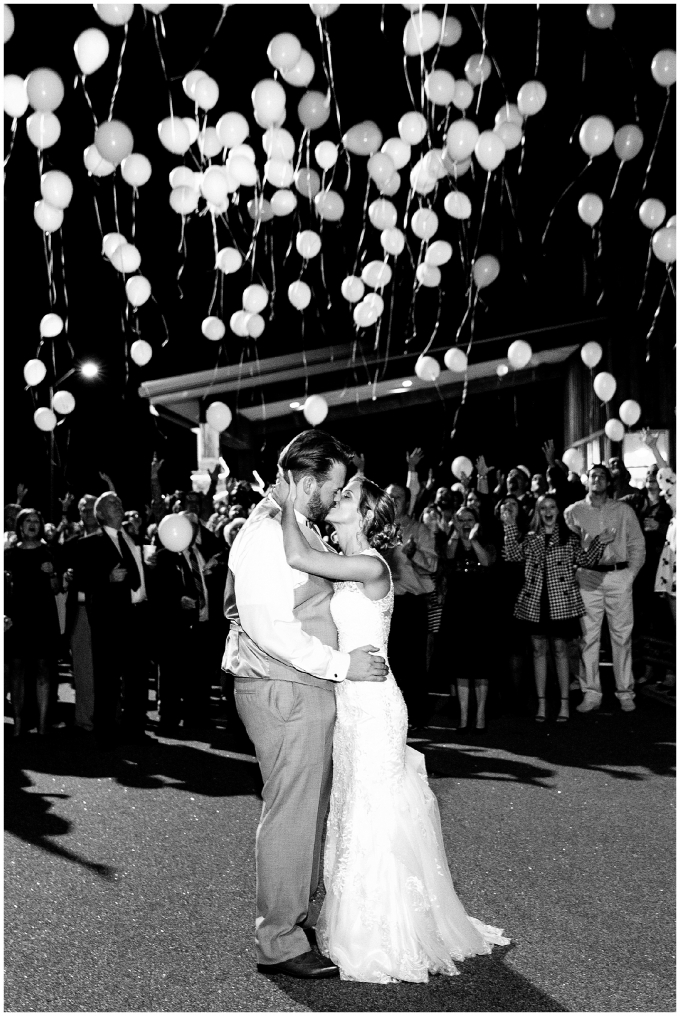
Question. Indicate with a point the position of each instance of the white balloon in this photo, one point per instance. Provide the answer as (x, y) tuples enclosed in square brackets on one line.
[(421, 179), (425, 223), (176, 532), (283, 202), (428, 275), (192, 127), (630, 412), (376, 274), (138, 290), (278, 172), (458, 205), (423, 31), (255, 298), (141, 352), (399, 152), (214, 185), (308, 243), (315, 409), (228, 260), (242, 170), (174, 135), (63, 402), (34, 372), (209, 144), (91, 49), (456, 360), (302, 73), (502, 369), (136, 169), (206, 92), (51, 325), (461, 466), (412, 127), (591, 354), (326, 154), (95, 164), (393, 241), (14, 95), (213, 328), (255, 325), (364, 314), (44, 419), (191, 80), (182, 176), (382, 214), (184, 200), (604, 386), (427, 368), (352, 289), (111, 243), (519, 354), (238, 323), (218, 416), (299, 294), (438, 253), (573, 459), (232, 129), (375, 303), (126, 258), (47, 217), (44, 129), (614, 430), (9, 22)]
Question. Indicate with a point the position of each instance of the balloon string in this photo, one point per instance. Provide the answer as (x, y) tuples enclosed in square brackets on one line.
[(217, 270), (15, 123), (538, 38), (646, 276), (115, 205), (408, 83), (597, 238), (88, 100), (616, 181), (96, 212), (165, 323), (563, 195), (670, 279), (436, 324), (179, 77), (160, 57), (272, 263), (63, 283), (389, 332), (506, 184), (135, 195), (481, 217), (632, 71), (120, 70), (655, 319), (182, 249), (331, 83), (485, 43), (656, 142), (363, 230)]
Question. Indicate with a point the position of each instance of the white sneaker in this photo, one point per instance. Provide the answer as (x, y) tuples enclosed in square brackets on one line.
[(627, 705), (588, 705)]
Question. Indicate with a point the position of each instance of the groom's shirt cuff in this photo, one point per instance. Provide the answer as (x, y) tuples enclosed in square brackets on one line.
[(264, 586)]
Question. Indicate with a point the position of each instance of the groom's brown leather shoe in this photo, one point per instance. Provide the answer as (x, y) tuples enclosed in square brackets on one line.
[(309, 964)]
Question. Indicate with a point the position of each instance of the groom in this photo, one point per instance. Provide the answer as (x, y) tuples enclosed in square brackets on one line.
[(282, 651)]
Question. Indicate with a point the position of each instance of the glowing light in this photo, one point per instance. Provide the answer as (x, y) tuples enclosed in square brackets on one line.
[(295, 405), (89, 369), (407, 383), (153, 410)]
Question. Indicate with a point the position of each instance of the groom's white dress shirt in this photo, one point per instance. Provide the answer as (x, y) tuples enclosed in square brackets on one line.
[(265, 586)]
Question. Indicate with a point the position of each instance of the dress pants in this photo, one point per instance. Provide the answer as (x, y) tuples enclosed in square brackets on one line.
[(184, 677), (407, 654), (609, 593), (291, 726), (83, 670)]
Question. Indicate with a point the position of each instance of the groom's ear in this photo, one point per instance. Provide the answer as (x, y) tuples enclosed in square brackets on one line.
[(308, 484)]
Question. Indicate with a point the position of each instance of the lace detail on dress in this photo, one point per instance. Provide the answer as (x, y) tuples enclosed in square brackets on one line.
[(391, 912)]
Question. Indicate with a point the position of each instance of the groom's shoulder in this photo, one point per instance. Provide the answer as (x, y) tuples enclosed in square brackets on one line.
[(263, 522)]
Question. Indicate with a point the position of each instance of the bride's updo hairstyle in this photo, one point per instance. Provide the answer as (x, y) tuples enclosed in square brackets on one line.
[(380, 529)]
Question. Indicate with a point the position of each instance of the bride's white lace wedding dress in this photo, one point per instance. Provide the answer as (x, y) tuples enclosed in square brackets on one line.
[(391, 912)]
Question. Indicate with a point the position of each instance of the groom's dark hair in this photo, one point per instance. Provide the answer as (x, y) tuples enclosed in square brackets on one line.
[(314, 453)]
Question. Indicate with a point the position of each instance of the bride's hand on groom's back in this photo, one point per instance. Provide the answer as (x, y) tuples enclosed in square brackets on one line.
[(365, 667)]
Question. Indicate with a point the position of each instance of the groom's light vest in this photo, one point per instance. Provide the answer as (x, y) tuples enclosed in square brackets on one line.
[(243, 658)]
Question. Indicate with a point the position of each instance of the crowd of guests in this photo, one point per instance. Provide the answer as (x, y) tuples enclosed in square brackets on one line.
[(501, 582)]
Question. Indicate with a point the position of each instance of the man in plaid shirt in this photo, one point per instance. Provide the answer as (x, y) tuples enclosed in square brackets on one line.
[(607, 587)]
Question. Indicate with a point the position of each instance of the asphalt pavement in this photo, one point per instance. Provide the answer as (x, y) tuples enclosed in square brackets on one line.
[(129, 874)]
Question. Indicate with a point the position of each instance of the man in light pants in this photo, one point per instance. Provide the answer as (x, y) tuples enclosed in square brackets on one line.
[(607, 588)]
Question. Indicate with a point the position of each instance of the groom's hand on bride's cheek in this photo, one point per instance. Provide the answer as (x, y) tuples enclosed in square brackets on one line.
[(364, 666)]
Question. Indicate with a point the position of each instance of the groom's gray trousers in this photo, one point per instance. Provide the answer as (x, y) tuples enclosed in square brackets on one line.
[(291, 726)]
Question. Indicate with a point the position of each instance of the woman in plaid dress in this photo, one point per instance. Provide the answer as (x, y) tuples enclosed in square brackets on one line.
[(550, 601)]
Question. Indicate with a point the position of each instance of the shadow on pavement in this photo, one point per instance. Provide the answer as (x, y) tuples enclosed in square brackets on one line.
[(607, 741), (28, 816), (484, 984)]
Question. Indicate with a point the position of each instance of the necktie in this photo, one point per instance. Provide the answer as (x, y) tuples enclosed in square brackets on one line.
[(196, 572), (133, 578)]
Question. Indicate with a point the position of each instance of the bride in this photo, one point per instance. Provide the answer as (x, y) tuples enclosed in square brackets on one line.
[(390, 912)]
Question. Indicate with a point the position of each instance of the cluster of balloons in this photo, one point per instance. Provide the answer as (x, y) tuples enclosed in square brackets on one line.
[(629, 414), (652, 215)]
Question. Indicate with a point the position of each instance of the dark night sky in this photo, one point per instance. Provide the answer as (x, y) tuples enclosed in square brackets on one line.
[(111, 428)]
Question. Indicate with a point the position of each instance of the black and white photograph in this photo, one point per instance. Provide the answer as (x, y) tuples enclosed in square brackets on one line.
[(340, 421)]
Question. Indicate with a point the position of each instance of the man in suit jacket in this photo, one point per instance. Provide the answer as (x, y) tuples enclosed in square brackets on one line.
[(282, 651), (111, 574), (181, 607)]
